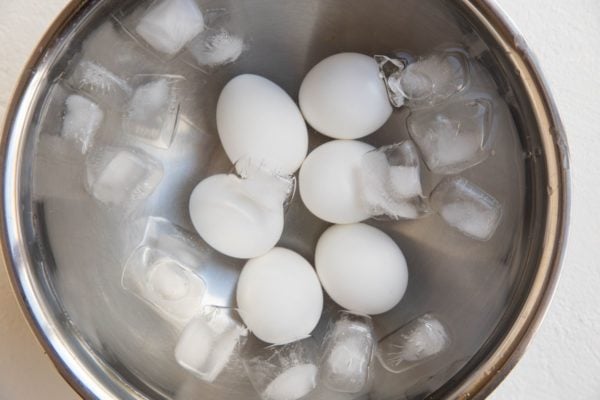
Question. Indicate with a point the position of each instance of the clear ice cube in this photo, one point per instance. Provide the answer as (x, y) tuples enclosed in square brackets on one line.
[(466, 207), (153, 110), (210, 342), (216, 47), (81, 120), (414, 343), (119, 176), (286, 372), (170, 24), (347, 354), (391, 182), (162, 271), (390, 70), (100, 84), (454, 136), (267, 188), (433, 79)]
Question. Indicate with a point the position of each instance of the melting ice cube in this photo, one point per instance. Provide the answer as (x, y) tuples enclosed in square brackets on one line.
[(412, 344), (348, 350), (287, 372), (209, 342), (390, 70), (434, 78), (162, 271), (216, 48), (153, 110), (263, 186), (391, 182), (455, 136), (117, 176), (100, 84), (170, 24), (81, 121), (467, 207)]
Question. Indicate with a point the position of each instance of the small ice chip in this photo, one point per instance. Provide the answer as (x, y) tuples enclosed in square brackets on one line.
[(455, 136), (81, 121), (434, 78), (160, 271), (347, 354), (267, 188), (209, 342), (118, 176), (412, 344), (170, 24), (391, 182), (218, 48), (390, 70), (153, 110), (467, 208), (286, 372)]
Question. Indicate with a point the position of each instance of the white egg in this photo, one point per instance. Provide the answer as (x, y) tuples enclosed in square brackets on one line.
[(344, 97), (361, 268), (329, 181), (233, 220), (279, 296), (258, 120)]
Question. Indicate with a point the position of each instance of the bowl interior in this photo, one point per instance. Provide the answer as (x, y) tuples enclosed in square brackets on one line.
[(78, 247)]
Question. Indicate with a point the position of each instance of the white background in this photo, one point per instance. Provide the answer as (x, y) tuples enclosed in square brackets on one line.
[(563, 361)]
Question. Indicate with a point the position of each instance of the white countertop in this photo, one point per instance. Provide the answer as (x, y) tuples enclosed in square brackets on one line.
[(563, 361)]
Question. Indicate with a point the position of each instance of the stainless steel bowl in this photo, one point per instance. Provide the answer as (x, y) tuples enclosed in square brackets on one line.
[(64, 252)]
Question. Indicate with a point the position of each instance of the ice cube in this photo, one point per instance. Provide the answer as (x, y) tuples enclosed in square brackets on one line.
[(170, 24), (467, 207), (433, 79), (287, 372), (414, 343), (391, 182), (81, 120), (100, 84), (161, 271), (294, 383), (216, 48), (153, 110), (267, 188), (390, 70), (455, 136), (347, 354), (118, 176), (209, 342)]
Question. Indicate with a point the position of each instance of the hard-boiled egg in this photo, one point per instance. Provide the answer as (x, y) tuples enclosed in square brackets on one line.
[(235, 218), (256, 119), (344, 97), (329, 181), (279, 296), (361, 268)]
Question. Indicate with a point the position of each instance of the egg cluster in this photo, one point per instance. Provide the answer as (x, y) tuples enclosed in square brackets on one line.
[(344, 181), (241, 215)]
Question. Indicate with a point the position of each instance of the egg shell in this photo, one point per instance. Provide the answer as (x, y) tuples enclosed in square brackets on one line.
[(361, 268), (232, 222), (259, 120), (329, 181), (344, 96), (279, 296)]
